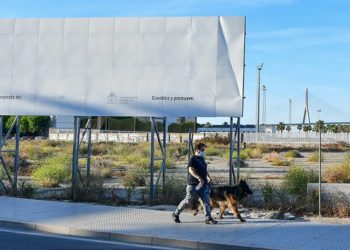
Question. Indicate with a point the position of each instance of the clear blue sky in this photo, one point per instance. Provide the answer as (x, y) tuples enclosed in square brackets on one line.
[(302, 44)]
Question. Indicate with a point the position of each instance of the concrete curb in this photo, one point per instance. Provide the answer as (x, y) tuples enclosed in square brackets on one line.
[(122, 237)]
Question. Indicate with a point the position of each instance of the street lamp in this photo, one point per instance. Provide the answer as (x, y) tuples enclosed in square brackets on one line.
[(320, 163), (259, 68)]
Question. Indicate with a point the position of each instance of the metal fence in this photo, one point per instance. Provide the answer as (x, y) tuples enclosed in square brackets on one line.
[(119, 172)]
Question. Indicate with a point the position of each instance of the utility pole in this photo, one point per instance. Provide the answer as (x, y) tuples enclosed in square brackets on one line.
[(319, 166), (264, 105), (259, 68)]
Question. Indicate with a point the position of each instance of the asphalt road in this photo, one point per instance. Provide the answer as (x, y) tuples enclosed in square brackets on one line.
[(13, 239)]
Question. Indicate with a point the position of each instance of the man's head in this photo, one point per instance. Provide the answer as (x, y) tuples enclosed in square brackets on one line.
[(199, 149)]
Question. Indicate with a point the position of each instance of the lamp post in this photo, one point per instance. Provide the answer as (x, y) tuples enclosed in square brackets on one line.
[(259, 68), (320, 163)]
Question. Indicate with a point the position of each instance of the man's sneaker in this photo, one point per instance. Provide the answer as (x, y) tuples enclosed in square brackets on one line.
[(211, 221), (176, 218)]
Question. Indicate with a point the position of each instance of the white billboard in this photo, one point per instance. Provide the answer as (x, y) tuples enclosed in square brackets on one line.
[(148, 66)]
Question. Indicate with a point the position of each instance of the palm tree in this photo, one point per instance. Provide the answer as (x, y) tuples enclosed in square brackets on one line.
[(288, 128), (280, 127), (319, 126), (299, 127), (307, 128)]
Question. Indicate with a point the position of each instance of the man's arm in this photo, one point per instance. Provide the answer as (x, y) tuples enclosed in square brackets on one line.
[(208, 177), (194, 174)]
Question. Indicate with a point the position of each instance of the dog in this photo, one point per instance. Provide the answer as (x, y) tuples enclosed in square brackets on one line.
[(226, 197)]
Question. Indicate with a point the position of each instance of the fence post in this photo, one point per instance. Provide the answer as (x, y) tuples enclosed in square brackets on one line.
[(231, 154), (75, 155), (164, 153), (151, 190), (189, 145), (18, 130), (88, 160), (238, 147), (1, 127), (319, 173)]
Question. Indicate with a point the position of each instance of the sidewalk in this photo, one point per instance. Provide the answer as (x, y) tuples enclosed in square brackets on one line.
[(157, 228)]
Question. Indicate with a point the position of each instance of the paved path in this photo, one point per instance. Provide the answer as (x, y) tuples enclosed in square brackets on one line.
[(156, 227)]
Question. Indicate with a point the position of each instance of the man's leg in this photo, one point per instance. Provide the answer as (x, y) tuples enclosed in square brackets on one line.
[(190, 194), (205, 197)]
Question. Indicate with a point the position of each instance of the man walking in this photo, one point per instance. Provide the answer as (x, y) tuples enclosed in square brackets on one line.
[(197, 184)]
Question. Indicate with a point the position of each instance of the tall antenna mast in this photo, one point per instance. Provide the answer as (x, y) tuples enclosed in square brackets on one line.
[(306, 108)]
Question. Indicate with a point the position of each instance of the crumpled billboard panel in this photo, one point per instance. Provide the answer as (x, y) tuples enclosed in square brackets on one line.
[(149, 66)]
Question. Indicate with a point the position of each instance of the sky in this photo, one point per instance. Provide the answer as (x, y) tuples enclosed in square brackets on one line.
[(303, 44)]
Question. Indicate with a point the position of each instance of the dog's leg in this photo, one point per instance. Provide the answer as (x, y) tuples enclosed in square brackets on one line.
[(222, 210), (233, 206), (212, 203)]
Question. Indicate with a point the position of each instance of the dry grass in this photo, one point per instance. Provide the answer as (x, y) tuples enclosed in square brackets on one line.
[(314, 157), (276, 159), (292, 154), (339, 173), (255, 153)]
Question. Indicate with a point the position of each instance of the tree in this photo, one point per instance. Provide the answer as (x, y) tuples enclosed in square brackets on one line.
[(181, 128), (334, 128), (307, 128), (207, 125), (288, 128), (299, 127), (319, 126), (31, 125), (225, 123), (280, 127)]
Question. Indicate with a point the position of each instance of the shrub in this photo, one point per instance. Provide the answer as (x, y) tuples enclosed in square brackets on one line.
[(264, 148), (254, 153), (141, 162), (267, 191), (174, 191), (104, 172), (296, 179), (271, 156), (103, 167), (90, 189), (170, 164), (213, 151), (293, 154), (244, 154), (314, 157), (53, 143), (276, 159), (215, 139), (53, 171), (339, 173), (135, 177), (177, 151), (27, 190), (97, 148), (51, 176)]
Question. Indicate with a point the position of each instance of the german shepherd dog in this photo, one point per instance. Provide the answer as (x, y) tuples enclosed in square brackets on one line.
[(226, 196)]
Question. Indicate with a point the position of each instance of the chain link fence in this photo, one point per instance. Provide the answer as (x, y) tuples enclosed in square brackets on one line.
[(282, 175)]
